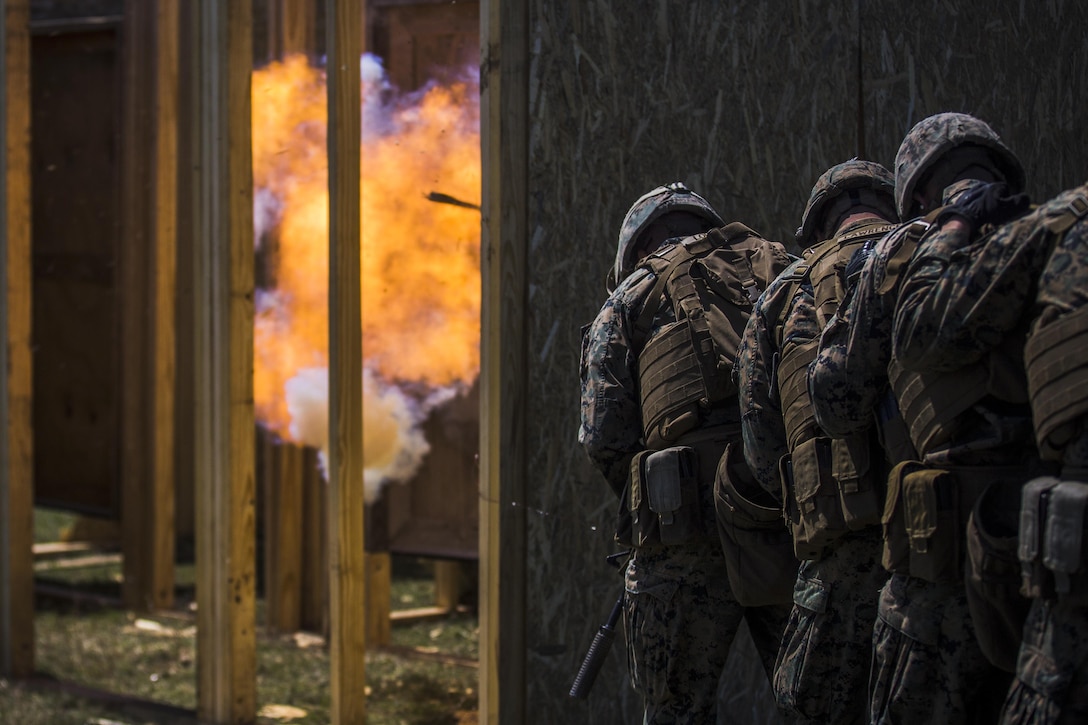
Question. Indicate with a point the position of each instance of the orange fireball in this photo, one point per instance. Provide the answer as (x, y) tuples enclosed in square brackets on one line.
[(420, 259)]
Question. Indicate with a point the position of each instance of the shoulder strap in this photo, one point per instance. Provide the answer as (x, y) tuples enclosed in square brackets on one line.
[(673, 257), (1059, 221), (912, 235)]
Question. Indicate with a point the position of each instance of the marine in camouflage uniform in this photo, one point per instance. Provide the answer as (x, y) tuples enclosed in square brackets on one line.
[(823, 663), (928, 663), (982, 288), (680, 615)]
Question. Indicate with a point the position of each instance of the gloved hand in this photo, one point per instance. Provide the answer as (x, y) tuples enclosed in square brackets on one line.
[(857, 263), (987, 204)]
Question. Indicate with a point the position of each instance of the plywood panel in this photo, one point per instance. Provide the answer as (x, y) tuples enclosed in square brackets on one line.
[(436, 512), (1022, 71), (421, 41), (75, 104)]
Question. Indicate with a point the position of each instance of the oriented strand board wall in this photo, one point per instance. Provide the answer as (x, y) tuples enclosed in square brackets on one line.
[(748, 103), (1022, 67)]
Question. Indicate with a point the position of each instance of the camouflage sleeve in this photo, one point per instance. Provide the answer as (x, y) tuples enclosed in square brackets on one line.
[(850, 371), (611, 422), (755, 372), (960, 298)]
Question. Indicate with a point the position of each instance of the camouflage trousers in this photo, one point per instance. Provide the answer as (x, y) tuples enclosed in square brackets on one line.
[(822, 672), (680, 618), (1051, 686), (927, 663)]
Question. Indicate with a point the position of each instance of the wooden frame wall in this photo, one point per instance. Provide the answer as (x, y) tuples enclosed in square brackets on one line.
[(223, 362), (504, 132), (16, 438)]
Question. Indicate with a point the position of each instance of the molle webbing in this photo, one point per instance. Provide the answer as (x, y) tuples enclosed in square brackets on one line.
[(899, 258), (797, 410), (1059, 221), (825, 268), (1058, 373), (670, 377), (664, 265), (930, 402), (822, 270)]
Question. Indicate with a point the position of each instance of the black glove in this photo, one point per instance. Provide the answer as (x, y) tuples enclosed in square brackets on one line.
[(987, 204), (857, 263)]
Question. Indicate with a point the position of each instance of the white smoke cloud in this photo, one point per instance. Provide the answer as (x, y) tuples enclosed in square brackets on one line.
[(393, 443)]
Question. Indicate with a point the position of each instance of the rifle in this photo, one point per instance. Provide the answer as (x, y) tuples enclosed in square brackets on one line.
[(602, 642)]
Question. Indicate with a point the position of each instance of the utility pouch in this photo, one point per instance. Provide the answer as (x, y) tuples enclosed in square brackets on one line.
[(1063, 542), (671, 487), (862, 502), (896, 557), (993, 573), (1036, 581), (644, 527), (757, 544), (931, 517), (815, 513)]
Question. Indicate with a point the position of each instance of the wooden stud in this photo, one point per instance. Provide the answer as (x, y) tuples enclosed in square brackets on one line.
[(314, 614), (504, 125), (447, 583), (223, 365), (283, 537), (16, 391), (347, 566), (291, 27), (148, 272), (379, 599)]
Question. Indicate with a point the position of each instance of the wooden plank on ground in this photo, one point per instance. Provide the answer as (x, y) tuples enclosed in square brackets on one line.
[(223, 364), (16, 438), (504, 128), (347, 567)]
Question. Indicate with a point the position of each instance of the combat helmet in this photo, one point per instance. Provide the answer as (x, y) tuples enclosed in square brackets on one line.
[(873, 182), (934, 137), (651, 205)]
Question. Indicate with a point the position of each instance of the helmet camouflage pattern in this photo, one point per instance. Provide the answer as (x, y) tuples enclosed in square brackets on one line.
[(932, 138), (839, 179), (651, 205)]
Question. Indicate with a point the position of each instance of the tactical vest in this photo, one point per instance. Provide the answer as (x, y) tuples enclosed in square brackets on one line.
[(712, 281), (1057, 367), (932, 402), (828, 483)]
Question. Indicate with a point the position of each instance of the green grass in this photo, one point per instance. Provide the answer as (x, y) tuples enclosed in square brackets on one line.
[(152, 658)]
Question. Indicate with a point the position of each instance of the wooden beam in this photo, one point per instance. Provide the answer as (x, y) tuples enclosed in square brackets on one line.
[(504, 128), (347, 566), (283, 536), (163, 338), (16, 392), (148, 274), (314, 607), (378, 608), (223, 365), (291, 27), (447, 583)]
